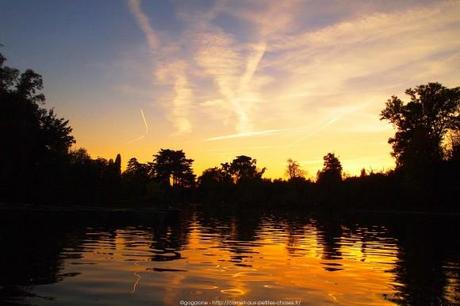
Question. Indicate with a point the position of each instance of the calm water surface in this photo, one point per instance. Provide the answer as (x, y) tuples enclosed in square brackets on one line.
[(161, 259)]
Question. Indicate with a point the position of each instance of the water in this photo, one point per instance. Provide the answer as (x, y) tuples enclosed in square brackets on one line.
[(163, 258)]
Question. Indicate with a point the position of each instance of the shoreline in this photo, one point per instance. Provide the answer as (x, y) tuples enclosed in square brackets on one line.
[(168, 209)]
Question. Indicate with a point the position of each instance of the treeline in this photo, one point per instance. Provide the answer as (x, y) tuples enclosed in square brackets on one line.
[(38, 164)]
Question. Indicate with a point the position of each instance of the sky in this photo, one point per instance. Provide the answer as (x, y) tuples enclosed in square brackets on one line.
[(270, 79)]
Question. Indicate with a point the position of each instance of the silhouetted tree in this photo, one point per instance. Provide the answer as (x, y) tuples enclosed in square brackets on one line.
[(34, 139), (215, 184), (117, 164), (90, 180), (136, 169), (171, 167), (135, 179), (422, 123), (332, 170), (214, 176), (293, 170), (243, 168)]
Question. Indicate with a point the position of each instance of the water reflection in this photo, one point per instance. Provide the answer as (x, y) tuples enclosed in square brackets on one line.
[(161, 258)]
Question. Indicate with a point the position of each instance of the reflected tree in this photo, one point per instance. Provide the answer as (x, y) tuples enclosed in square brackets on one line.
[(420, 275), (33, 255), (329, 233), (170, 234)]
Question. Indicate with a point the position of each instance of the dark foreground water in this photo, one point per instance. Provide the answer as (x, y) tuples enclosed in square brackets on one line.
[(245, 256)]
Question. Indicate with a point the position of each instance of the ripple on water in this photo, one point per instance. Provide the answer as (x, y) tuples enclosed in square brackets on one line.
[(199, 286), (361, 265), (233, 292), (271, 286), (166, 270)]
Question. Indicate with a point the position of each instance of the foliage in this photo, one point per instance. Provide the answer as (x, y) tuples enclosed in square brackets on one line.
[(214, 176), (135, 179), (171, 167), (422, 123), (293, 170), (243, 168), (33, 138), (332, 170)]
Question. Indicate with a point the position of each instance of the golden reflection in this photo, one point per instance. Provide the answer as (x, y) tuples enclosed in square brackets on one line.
[(278, 263), (269, 263), (451, 290)]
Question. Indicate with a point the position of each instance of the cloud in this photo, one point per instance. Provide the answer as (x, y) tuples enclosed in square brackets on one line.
[(368, 45), (174, 74), (297, 69), (367, 57), (231, 68), (168, 70), (144, 23), (244, 135), (267, 18)]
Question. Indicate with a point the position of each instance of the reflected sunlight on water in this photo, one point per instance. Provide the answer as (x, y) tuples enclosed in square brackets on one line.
[(195, 256)]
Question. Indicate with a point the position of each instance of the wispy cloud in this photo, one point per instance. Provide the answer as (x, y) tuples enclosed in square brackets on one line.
[(169, 71), (285, 61), (296, 70), (339, 113), (174, 75), (244, 135), (144, 23), (231, 67), (181, 102)]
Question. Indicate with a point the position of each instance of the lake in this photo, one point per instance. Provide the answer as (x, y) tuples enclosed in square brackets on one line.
[(213, 256)]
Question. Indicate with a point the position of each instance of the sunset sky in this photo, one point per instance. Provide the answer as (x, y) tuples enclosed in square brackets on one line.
[(269, 79)]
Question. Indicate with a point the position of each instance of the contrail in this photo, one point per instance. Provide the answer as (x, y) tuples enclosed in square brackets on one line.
[(146, 129), (326, 124), (136, 139), (315, 131), (145, 122)]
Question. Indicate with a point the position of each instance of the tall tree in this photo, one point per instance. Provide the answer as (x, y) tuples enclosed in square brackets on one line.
[(117, 164), (34, 140), (243, 168), (422, 123), (171, 167), (293, 170), (214, 176), (332, 170), (135, 179)]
